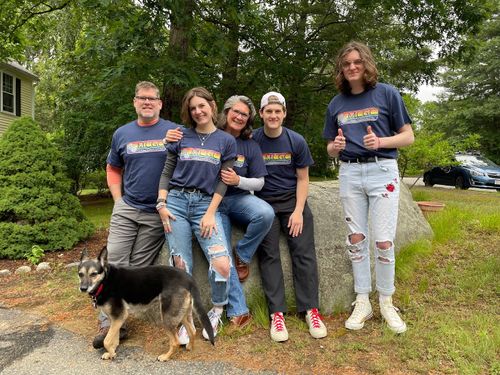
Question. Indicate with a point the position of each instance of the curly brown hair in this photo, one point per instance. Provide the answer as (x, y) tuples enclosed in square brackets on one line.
[(200, 92), (371, 73)]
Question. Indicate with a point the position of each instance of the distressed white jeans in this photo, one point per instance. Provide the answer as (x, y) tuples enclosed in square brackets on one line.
[(370, 194)]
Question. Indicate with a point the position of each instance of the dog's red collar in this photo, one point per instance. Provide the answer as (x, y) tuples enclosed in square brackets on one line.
[(96, 294)]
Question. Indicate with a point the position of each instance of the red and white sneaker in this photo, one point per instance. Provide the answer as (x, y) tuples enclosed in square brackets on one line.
[(279, 332), (317, 328)]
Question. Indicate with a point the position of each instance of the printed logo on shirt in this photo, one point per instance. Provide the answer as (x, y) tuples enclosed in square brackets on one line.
[(200, 154), (142, 147), (277, 158), (240, 161), (360, 115)]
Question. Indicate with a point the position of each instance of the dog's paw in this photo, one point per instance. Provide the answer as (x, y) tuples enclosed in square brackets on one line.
[(108, 355), (164, 357)]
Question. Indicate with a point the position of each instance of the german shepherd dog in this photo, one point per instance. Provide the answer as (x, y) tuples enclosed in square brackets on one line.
[(113, 289)]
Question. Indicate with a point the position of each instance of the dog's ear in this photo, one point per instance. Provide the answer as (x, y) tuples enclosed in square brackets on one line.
[(103, 257), (85, 255)]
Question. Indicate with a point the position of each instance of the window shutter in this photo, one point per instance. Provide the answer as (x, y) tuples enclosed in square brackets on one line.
[(18, 97)]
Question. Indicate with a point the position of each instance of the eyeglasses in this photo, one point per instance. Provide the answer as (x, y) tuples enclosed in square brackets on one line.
[(347, 63), (242, 114), (146, 98)]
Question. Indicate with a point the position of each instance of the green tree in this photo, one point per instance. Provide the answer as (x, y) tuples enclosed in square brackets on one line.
[(472, 100), (36, 207)]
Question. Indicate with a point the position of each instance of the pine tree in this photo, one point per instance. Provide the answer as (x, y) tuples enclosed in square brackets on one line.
[(36, 207)]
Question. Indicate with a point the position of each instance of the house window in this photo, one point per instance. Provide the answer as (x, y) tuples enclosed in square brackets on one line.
[(8, 93)]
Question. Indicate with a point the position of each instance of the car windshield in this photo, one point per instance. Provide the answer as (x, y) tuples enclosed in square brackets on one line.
[(475, 161)]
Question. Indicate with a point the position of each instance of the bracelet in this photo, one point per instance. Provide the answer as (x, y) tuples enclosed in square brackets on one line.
[(160, 205), (159, 200)]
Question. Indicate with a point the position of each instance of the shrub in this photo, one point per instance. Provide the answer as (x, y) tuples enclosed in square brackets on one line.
[(36, 207)]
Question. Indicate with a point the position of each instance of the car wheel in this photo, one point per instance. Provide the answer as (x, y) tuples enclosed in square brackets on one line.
[(428, 181), (460, 183)]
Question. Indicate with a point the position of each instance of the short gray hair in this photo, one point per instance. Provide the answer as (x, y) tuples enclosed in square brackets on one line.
[(230, 102)]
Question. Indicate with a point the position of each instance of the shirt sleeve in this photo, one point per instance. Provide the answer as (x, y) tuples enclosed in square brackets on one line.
[(399, 113), (330, 130), (114, 159)]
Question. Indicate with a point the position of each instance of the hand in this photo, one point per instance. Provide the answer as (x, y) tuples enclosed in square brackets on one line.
[(166, 216), (295, 223), (229, 177), (208, 225), (370, 140), (174, 135), (339, 142)]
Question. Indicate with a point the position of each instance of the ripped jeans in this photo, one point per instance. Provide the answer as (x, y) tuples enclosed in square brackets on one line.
[(370, 192), (188, 209)]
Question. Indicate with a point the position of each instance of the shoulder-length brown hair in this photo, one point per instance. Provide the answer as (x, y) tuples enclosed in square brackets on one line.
[(371, 73), (200, 92), (222, 121)]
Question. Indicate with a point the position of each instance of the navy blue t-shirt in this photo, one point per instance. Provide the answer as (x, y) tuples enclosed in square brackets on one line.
[(199, 166), (282, 156), (140, 151), (249, 163), (380, 107)]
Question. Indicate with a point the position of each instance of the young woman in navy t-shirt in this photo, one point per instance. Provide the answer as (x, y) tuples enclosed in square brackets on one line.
[(190, 192)]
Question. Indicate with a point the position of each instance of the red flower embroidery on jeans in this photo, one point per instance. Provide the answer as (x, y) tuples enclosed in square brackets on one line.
[(390, 187)]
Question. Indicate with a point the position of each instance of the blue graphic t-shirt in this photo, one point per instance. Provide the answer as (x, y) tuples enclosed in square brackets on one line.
[(282, 156), (140, 152), (249, 163), (380, 107), (199, 166)]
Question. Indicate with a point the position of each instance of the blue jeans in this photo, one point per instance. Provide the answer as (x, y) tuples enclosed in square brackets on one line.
[(188, 209), (257, 216), (371, 190)]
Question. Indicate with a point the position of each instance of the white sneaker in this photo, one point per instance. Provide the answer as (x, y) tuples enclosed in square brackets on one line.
[(215, 319), (317, 328), (361, 313), (390, 314), (279, 332), (183, 335)]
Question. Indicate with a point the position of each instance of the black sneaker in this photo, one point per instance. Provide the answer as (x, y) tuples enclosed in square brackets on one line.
[(98, 341)]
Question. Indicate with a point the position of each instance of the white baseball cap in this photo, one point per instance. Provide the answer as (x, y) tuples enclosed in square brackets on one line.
[(272, 97)]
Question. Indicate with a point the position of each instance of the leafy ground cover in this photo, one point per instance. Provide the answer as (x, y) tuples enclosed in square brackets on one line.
[(447, 289)]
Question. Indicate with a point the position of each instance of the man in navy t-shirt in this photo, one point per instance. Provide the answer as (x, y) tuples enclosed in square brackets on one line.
[(287, 158), (133, 170)]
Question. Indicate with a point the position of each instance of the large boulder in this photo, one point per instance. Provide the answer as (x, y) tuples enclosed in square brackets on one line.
[(335, 273)]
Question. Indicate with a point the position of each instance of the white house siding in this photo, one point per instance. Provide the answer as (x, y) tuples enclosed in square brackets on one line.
[(27, 96)]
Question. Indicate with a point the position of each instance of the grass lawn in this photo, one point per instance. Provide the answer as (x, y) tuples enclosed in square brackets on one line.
[(447, 289)]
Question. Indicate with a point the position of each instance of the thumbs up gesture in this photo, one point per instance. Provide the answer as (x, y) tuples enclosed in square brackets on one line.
[(370, 140), (339, 141)]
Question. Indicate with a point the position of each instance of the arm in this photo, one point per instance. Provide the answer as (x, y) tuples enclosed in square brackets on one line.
[(114, 179), (166, 174), (296, 221), (231, 178), (403, 138)]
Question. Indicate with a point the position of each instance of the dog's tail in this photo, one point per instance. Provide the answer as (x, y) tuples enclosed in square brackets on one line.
[(202, 313)]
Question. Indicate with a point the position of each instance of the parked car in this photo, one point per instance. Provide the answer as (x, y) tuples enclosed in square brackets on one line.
[(472, 170)]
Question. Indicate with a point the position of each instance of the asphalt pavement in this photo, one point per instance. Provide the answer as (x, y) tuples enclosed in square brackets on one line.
[(30, 345)]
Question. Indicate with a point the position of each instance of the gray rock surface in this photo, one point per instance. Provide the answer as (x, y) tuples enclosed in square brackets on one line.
[(5, 273), (23, 269), (44, 266), (335, 274)]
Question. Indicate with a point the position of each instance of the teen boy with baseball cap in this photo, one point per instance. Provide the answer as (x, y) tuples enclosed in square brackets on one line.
[(287, 158)]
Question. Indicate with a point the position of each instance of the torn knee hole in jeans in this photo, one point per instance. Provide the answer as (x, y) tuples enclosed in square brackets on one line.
[(221, 271), (216, 249), (385, 260), (355, 248), (382, 251), (178, 262)]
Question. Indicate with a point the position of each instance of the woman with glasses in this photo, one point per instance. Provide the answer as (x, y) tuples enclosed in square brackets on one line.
[(239, 206), (190, 191), (365, 125)]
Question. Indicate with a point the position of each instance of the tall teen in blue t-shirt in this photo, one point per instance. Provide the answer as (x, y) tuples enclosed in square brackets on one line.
[(365, 125), (190, 192)]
